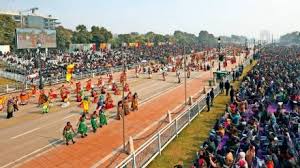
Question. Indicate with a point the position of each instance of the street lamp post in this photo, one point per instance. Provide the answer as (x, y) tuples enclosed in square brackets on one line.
[(123, 101), (184, 56), (219, 49), (39, 45)]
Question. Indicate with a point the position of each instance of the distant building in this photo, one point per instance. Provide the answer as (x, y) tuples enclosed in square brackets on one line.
[(29, 19), (265, 36)]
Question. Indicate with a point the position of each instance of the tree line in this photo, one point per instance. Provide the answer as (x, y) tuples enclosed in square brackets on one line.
[(99, 35)]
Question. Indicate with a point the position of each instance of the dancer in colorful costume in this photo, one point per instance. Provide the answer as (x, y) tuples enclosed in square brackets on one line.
[(69, 133), (88, 85), (126, 87), (134, 103), (102, 118), (109, 103), (24, 97), (94, 123), (85, 104), (82, 127)]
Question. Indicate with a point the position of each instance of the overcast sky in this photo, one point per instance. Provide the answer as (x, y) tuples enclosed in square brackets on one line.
[(221, 17)]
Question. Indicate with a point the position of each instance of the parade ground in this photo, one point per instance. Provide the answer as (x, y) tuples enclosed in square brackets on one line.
[(35, 139)]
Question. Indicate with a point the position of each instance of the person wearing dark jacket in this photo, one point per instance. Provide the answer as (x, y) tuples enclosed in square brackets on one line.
[(221, 85), (232, 92), (227, 87), (212, 96), (208, 102)]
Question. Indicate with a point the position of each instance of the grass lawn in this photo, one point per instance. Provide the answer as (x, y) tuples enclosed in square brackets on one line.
[(185, 146)]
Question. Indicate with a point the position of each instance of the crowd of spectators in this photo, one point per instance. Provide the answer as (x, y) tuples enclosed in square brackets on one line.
[(54, 63), (260, 126)]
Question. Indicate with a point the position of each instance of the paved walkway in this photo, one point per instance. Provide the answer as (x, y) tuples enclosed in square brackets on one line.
[(88, 151)]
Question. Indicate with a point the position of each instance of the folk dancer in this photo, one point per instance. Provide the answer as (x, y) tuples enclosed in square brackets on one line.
[(16, 104), (82, 127), (178, 76), (94, 123), (2, 101), (110, 79), (88, 85), (94, 95), (117, 91), (85, 103), (129, 97), (150, 72), (103, 90), (134, 103), (45, 108), (24, 97), (102, 118), (100, 82), (114, 86), (109, 103), (137, 71), (126, 87), (164, 75), (33, 90), (52, 95), (79, 92), (42, 98), (101, 102), (10, 108), (69, 133), (120, 110), (126, 106)]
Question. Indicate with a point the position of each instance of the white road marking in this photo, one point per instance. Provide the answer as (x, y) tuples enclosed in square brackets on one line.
[(112, 153), (52, 143), (35, 129), (27, 132)]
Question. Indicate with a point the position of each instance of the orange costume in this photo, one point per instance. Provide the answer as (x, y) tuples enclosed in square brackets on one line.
[(109, 103), (24, 98), (129, 96), (110, 78), (117, 91), (64, 93), (95, 96), (33, 90), (114, 87), (123, 77), (100, 82), (52, 95), (126, 87), (42, 98), (89, 85)]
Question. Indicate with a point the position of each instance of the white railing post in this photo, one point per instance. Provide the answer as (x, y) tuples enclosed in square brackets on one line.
[(189, 116), (176, 127), (190, 100), (159, 143), (133, 161), (7, 88), (130, 145), (169, 116)]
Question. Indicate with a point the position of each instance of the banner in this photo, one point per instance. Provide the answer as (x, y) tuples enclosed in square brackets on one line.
[(29, 38)]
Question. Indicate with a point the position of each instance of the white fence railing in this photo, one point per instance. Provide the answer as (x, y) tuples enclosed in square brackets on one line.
[(154, 146)]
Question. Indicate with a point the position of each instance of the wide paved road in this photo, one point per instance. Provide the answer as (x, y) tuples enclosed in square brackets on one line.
[(30, 132)]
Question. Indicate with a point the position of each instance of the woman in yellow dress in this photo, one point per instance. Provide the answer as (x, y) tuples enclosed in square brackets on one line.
[(134, 103)]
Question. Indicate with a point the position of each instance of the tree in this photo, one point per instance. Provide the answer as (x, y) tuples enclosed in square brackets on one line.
[(63, 38), (7, 30), (100, 35), (206, 39), (81, 35), (290, 38)]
